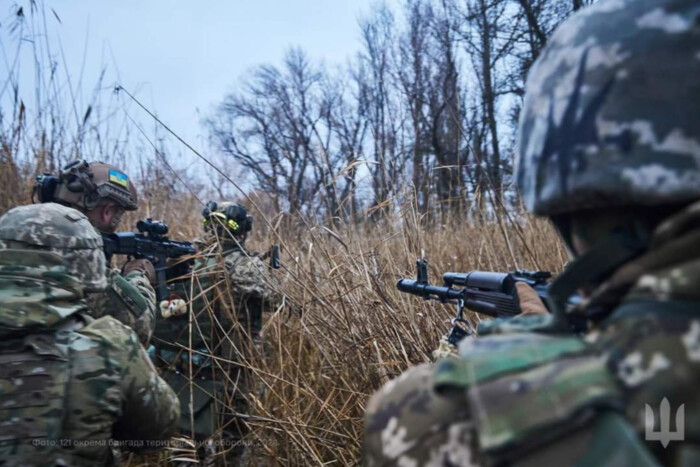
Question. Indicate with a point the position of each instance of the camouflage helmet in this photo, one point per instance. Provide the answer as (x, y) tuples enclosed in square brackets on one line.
[(610, 117), (81, 185), (232, 215), (61, 230)]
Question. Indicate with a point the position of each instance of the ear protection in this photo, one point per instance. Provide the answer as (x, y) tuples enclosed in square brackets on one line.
[(209, 208), (73, 186), (45, 188), (234, 216)]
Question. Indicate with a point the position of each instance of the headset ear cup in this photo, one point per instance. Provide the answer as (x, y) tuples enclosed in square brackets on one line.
[(209, 208), (233, 212), (46, 188), (213, 206), (248, 223)]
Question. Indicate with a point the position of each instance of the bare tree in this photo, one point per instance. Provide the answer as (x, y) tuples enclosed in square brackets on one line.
[(386, 116), (413, 77), (432, 99), (446, 113), (350, 123), (490, 30), (271, 129)]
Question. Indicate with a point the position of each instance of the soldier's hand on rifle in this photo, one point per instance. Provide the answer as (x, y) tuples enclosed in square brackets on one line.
[(530, 302), (143, 265)]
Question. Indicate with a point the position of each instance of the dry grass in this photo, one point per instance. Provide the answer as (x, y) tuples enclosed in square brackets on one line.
[(357, 331)]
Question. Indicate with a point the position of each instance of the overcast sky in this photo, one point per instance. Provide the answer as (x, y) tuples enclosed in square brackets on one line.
[(183, 56)]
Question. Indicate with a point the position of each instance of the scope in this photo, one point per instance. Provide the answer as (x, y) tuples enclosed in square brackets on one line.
[(154, 228)]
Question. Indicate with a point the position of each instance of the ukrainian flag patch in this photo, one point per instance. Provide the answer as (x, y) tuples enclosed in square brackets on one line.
[(118, 178)]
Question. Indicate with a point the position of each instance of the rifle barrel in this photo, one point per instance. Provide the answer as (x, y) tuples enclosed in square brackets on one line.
[(427, 290)]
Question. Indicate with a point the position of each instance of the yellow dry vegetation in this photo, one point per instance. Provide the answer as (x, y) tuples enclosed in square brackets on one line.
[(356, 330)]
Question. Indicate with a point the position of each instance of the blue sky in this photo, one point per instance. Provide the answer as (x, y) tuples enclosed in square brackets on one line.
[(183, 56)]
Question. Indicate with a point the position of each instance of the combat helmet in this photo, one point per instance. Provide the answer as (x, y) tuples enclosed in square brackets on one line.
[(610, 118), (81, 185), (61, 230), (234, 217)]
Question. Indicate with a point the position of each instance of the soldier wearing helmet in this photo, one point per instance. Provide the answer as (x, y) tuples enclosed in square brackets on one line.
[(70, 384), (609, 150), (104, 193), (232, 289)]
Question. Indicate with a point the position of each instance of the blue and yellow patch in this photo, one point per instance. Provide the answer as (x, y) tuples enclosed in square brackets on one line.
[(118, 178)]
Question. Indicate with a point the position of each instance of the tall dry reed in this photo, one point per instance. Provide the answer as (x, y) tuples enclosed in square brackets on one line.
[(356, 331)]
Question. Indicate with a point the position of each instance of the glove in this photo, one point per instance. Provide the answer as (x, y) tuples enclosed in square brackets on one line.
[(173, 307), (143, 265), (530, 302)]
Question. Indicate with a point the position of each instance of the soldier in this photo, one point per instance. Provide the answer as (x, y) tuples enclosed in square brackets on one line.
[(231, 291), (69, 384), (104, 193), (609, 150)]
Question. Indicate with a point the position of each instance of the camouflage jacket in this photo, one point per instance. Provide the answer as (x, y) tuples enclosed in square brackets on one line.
[(229, 290), (233, 285), (542, 398), (130, 299), (70, 386)]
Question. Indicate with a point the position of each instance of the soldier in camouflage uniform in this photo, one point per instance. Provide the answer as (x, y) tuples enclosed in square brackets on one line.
[(609, 150), (104, 193), (70, 385), (232, 289)]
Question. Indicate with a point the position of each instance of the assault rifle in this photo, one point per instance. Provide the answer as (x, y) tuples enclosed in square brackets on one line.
[(152, 243), (490, 293)]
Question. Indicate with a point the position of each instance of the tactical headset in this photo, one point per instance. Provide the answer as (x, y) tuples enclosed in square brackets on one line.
[(233, 216), (82, 185)]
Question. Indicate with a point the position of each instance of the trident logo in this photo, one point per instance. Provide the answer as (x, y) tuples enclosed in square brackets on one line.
[(665, 435)]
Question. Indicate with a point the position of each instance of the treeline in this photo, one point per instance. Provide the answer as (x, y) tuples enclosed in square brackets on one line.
[(428, 108)]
